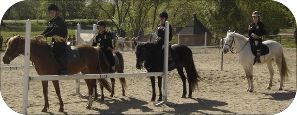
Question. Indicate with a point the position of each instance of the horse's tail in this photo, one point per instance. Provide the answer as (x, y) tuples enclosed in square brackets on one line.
[(284, 68), (102, 82), (191, 71), (120, 68), (105, 84)]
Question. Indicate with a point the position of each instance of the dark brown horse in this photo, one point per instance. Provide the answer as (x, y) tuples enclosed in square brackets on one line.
[(149, 55), (119, 68), (45, 64)]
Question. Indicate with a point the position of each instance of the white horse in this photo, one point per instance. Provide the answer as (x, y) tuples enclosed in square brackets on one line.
[(246, 58)]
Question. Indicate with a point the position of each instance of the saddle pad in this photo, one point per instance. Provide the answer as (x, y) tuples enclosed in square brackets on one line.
[(116, 59), (72, 53)]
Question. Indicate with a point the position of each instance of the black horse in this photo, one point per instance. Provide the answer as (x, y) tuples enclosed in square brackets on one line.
[(151, 55)]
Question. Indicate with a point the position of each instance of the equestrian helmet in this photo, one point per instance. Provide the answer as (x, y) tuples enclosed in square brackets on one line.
[(52, 7)]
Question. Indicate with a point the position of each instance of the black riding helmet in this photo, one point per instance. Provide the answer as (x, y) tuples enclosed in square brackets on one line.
[(101, 23), (52, 7), (164, 14)]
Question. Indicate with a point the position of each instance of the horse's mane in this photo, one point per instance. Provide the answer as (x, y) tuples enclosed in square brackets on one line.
[(33, 41), (241, 36)]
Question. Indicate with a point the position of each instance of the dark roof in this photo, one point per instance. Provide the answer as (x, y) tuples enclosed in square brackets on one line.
[(193, 28)]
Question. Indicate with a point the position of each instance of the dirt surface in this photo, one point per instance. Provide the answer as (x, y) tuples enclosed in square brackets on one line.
[(221, 92)]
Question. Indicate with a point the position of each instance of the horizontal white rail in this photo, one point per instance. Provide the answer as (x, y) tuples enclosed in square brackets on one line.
[(92, 76), (6, 68)]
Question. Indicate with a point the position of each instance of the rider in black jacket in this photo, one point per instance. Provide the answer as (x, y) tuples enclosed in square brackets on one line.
[(256, 31), (161, 36), (57, 29), (104, 38)]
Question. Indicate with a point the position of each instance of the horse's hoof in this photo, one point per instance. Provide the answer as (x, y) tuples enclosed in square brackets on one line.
[(183, 96), (111, 95), (280, 89), (190, 96), (61, 110), (160, 99), (44, 110), (153, 99), (269, 88), (88, 107)]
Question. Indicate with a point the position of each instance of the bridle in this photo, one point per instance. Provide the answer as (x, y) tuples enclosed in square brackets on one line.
[(231, 45), (233, 42)]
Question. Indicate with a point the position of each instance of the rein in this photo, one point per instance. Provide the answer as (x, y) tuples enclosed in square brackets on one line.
[(230, 45), (233, 42)]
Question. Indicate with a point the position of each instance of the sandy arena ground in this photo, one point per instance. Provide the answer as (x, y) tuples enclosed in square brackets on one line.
[(221, 92)]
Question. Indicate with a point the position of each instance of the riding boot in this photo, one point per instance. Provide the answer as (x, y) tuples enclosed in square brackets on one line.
[(112, 69), (258, 56), (63, 66)]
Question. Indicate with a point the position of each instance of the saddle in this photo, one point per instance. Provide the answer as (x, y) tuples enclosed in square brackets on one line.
[(171, 55), (72, 54), (116, 59), (264, 50)]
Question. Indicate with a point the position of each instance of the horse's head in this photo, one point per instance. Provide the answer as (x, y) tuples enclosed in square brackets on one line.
[(228, 41), (15, 47), (140, 48)]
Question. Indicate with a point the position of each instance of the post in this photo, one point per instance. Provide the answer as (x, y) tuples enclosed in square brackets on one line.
[(26, 66), (166, 43), (205, 41), (222, 54), (77, 82), (94, 28), (178, 39), (78, 28)]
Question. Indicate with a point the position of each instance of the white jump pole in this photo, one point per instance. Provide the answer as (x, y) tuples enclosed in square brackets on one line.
[(165, 70), (164, 81), (26, 67), (77, 82)]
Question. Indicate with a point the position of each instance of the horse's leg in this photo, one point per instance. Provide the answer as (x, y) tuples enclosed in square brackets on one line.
[(153, 88), (190, 88), (91, 88), (102, 94), (95, 88), (123, 83), (183, 78), (112, 86), (160, 88), (45, 92), (249, 75), (57, 88), (122, 80), (271, 72), (279, 66)]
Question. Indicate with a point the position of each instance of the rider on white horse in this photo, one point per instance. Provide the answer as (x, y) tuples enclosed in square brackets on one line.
[(256, 31)]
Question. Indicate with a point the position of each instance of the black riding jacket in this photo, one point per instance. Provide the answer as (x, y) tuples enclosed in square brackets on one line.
[(257, 29), (56, 26), (105, 40), (161, 34)]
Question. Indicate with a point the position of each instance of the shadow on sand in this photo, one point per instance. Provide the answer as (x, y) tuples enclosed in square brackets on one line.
[(123, 104), (200, 106), (281, 96)]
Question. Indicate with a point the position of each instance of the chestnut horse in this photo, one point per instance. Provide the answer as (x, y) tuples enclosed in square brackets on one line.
[(45, 64)]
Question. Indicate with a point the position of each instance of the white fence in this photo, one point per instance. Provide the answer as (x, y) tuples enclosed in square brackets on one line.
[(28, 78)]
